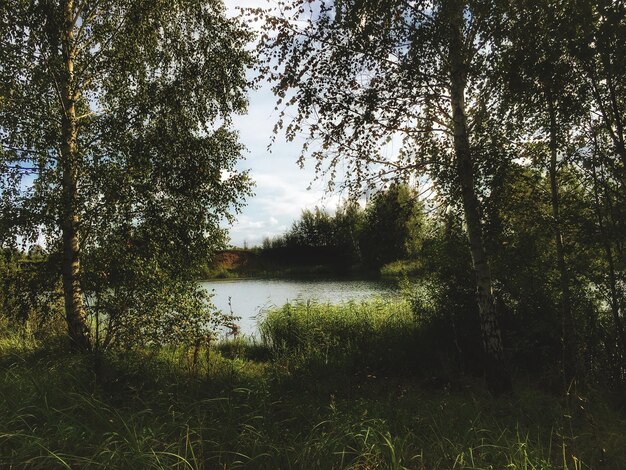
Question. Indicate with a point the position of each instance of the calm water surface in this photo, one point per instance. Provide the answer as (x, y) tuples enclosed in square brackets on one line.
[(249, 298)]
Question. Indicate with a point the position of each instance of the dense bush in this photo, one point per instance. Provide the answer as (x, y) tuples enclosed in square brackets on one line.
[(29, 289), (389, 228)]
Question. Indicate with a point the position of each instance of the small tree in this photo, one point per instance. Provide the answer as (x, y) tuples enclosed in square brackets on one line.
[(393, 226), (348, 225)]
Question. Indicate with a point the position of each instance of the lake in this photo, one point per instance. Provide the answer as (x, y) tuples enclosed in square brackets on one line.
[(249, 298)]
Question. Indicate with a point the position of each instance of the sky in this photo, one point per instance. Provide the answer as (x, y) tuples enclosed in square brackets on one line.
[(281, 189), (281, 185)]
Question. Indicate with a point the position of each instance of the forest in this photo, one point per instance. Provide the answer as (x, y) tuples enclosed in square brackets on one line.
[(499, 214)]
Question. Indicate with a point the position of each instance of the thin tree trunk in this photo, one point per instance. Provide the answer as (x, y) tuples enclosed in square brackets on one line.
[(568, 358), (497, 375), (620, 145), (608, 252), (74, 309)]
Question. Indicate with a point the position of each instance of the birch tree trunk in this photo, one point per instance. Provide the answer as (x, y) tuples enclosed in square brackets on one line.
[(497, 375), (76, 318)]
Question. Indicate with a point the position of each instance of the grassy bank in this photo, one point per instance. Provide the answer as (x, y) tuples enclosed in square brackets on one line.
[(402, 268), (248, 263), (331, 388)]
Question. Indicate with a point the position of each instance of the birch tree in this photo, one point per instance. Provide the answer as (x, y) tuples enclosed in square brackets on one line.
[(359, 73), (114, 125)]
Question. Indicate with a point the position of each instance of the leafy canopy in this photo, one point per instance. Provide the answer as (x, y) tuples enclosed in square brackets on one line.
[(155, 83)]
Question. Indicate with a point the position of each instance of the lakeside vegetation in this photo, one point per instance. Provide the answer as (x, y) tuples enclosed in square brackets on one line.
[(240, 263), (327, 387), (384, 237), (489, 138)]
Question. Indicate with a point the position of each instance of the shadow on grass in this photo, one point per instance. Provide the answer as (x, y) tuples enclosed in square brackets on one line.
[(320, 402)]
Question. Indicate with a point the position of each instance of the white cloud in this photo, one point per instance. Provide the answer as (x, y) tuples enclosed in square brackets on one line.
[(281, 185), (280, 199)]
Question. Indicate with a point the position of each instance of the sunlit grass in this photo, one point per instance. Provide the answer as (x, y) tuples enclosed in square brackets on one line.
[(355, 336), (402, 268)]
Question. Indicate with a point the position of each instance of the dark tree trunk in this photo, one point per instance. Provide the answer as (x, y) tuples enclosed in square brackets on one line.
[(75, 315), (608, 252), (497, 375), (569, 360), (620, 144)]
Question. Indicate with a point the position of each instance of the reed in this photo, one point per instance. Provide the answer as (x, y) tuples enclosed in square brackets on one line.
[(377, 334)]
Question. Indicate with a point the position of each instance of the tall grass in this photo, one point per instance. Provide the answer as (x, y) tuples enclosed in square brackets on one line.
[(383, 336), (377, 334), (311, 403)]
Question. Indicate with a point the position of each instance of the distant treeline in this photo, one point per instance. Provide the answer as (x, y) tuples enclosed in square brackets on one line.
[(390, 227)]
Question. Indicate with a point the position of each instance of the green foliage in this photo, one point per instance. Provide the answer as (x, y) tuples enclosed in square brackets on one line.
[(349, 224), (390, 228), (525, 265), (402, 269), (29, 290), (393, 227), (117, 147), (135, 299), (320, 238), (443, 296), (359, 74)]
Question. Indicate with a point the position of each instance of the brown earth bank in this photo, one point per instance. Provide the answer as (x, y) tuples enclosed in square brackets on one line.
[(233, 259)]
